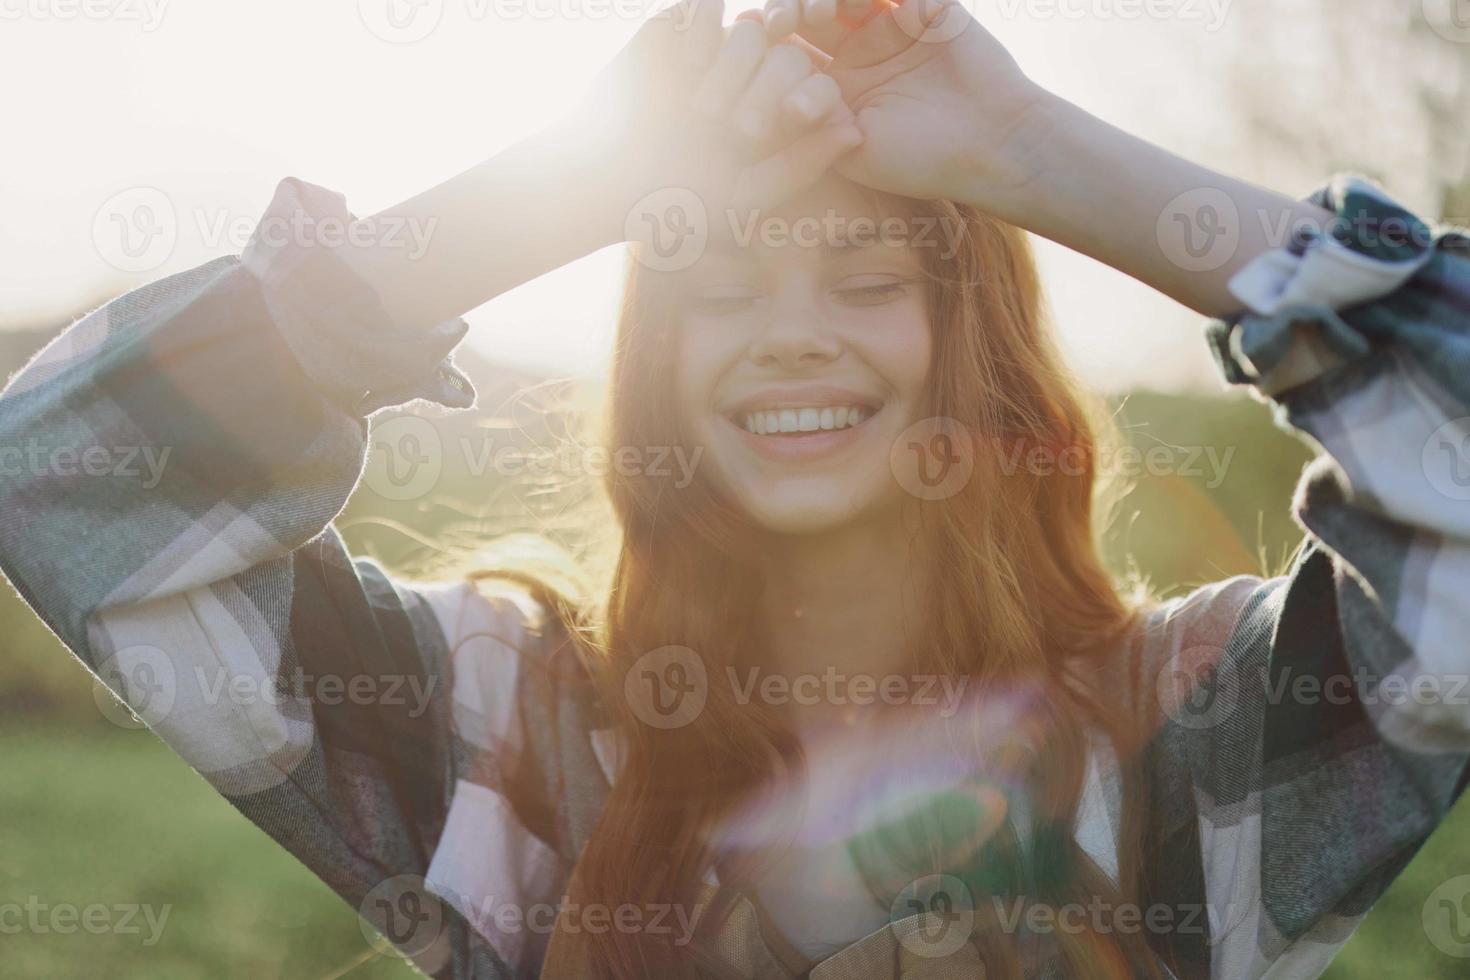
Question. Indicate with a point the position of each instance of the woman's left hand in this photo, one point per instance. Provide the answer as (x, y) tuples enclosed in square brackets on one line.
[(944, 109), (946, 112)]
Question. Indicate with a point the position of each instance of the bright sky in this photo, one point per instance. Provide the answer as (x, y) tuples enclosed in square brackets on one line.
[(212, 103)]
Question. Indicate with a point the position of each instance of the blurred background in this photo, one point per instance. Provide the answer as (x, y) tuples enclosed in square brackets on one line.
[(147, 135)]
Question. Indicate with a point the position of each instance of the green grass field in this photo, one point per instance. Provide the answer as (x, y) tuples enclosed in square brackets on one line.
[(102, 816)]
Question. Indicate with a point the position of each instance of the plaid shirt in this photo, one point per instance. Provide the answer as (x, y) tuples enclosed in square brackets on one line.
[(1281, 817)]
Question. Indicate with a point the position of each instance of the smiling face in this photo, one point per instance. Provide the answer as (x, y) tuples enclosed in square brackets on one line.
[(802, 357)]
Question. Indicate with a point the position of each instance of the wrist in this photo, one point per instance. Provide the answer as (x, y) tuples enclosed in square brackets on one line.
[(571, 165), (1007, 173)]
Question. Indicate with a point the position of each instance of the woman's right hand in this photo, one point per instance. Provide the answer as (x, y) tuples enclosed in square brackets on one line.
[(689, 107), (720, 111)]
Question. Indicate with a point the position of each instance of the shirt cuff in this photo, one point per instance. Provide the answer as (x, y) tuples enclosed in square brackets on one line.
[(1290, 330), (333, 320)]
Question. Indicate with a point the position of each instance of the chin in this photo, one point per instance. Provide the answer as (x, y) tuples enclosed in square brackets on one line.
[(809, 507)]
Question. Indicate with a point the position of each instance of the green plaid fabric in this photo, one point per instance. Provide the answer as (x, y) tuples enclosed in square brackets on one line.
[(246, 384)]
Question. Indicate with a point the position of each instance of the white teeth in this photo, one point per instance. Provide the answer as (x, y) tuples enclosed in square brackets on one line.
[(813, 419)]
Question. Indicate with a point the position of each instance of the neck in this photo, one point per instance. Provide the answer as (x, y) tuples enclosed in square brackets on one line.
[(846, 601)]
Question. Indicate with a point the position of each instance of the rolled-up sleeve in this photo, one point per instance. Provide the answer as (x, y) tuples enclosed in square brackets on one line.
[(1330, 727)]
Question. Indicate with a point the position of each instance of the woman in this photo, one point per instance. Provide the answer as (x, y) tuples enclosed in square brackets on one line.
[(734, 762)]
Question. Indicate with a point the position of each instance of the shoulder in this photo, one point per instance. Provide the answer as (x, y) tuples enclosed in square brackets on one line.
[(1195, 633), (510, 661)]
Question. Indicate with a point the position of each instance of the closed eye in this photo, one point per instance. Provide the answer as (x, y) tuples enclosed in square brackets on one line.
[(722, 302), (872, 293)]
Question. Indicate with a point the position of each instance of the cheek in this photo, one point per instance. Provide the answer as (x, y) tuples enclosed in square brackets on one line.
[(702, 356), (901, 351)]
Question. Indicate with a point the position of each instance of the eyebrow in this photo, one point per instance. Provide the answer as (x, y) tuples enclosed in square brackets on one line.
[(830, 250)]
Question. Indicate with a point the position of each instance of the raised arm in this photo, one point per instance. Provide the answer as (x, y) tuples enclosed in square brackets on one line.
[(399, 740), (657, 120), (947, 113), (1314, 729)]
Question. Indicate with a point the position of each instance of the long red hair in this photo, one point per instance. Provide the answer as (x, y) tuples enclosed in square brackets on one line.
[(1021, 605)]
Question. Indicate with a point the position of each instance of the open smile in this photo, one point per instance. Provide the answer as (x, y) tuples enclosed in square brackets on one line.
[(801, 433)]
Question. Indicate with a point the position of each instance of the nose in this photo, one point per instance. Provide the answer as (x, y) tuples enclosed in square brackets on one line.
[(794, 335)]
